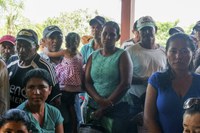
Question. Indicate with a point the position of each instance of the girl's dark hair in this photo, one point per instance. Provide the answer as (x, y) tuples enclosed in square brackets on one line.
[(168, 73), (72, 42), (113, 24), (38, 73), (16, 115)]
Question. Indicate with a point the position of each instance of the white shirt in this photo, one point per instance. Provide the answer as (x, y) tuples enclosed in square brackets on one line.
[(145, 63)]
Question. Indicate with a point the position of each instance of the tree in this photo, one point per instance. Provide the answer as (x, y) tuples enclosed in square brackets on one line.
[(76, 21), (2, 7), (2, 3), (163, 31), (11, 13)]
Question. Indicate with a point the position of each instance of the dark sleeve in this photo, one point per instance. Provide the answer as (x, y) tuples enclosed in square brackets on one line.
[(12, 59), (55, 93)]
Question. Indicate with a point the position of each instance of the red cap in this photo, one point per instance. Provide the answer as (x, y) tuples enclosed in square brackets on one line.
[(8, 38)]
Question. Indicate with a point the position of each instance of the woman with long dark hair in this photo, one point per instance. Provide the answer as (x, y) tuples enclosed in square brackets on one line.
[(108, 77), (167, 91)]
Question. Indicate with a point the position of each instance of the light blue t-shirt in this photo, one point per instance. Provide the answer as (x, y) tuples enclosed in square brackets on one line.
[(52, 117), (169, 104), (86, 51)]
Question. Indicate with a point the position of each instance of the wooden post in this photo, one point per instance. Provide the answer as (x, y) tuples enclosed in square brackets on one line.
[(127, 19)]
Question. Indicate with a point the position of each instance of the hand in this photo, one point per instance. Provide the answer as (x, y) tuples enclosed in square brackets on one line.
[(45, 50), (97, 114), (104, 103)]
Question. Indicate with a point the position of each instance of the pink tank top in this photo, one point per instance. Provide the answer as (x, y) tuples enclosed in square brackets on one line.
[(69, 71)]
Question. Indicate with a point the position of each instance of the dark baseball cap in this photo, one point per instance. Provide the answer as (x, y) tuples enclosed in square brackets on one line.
[(175, 30), (50, 30), (28, 35), (98, 19)]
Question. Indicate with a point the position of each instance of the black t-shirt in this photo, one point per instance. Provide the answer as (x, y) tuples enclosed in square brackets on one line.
[(17, 73)]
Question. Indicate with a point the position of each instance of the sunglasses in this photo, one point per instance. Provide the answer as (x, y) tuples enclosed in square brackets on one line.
[(191, 102)]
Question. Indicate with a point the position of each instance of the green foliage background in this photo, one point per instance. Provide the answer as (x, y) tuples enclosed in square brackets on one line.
[(163, 30), (77, 21)]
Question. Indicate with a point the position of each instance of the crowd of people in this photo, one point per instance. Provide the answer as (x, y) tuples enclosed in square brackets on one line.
[(101, 88)]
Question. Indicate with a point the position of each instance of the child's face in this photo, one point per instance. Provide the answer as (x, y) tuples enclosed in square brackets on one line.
[(14, 127), (191, 123)]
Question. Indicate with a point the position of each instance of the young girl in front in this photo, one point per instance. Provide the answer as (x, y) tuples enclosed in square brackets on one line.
[(69, 74)]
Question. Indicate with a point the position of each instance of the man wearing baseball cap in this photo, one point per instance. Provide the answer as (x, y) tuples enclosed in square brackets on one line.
[(96, 25), (52, 39), (147, 57), (7, 47), (25, 60), (49, 30), (96, 22)]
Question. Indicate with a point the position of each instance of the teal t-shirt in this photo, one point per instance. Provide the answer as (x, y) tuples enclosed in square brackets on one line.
[(52, 117), (105, 72)]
